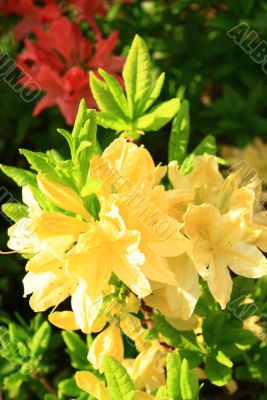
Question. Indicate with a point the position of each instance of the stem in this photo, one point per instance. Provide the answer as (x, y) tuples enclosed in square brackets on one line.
[(45, 383)]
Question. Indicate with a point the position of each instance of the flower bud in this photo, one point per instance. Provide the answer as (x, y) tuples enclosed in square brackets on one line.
[(63, 197)]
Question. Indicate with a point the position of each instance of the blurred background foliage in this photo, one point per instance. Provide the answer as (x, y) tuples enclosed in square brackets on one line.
[(227, 95)]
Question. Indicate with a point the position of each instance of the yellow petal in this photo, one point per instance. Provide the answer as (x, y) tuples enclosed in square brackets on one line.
[(107, 343), (61, 224), (147, 366), (88, 382), (246, 260), (219, 281), (63, 320), (49, 289), (85, 308), (63, 197)]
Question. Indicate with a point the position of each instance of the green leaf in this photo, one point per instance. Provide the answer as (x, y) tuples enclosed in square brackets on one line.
[(128, 115), (19, 175), (162, 393), (77, 350), (137, 74), (189, 382), (217, 373), (110, 121), (12, 384), (213, 327), (84, 152), (50, 397), (104, 97), (206, 146), (80, 120), (116, 90), (15, 211), (60, 172), (40, 340), (173, 375), (92, 186), (163, 113), (68, 388), (120, 384), (69, 139), (155, 92), (180, 134), (181, 339)]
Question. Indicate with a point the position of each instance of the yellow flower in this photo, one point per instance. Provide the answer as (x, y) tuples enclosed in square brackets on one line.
[(221, 242), (132, 163), (107, 343), (147, 369), (95, 387), (179, 300), (91, 384), (201, 185), (63, 197), (254, 154), (132, 185), (108, 246)]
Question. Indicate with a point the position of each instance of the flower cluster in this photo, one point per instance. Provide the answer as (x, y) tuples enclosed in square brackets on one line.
[(60, 57), (102, 230)]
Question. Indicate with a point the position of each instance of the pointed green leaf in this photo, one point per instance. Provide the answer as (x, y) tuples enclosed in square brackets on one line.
[(116, 90), (189, 383), (155, 92), (69, 139), (179, 134), (15, 211), (146, 121), (173, 375), (40, 340), (206, 146), (110, 121), (120, 384), (137, 73), (77, 350), (104, 97), (163, 113), (79, 122), (19, 175)]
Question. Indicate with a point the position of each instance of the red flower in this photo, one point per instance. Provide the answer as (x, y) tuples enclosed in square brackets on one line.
[(64, 92), (59, 60), (33, 15)]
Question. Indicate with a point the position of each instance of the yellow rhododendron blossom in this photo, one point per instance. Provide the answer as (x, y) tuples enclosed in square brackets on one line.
[(107, 343), (142, 203), (254, 154), (63, 196), (88, 382), (108, 246), (221, 242), (95, 387), (147, 369), (179, 300)]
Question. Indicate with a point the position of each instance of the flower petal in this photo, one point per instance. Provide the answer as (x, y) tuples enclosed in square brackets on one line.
[(219, 281), (247, 260)]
